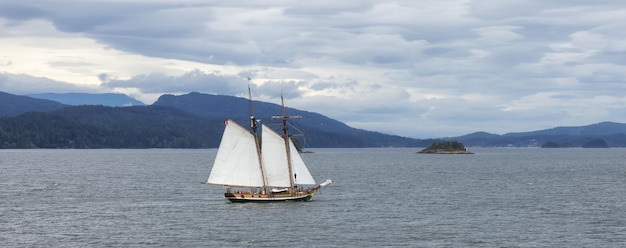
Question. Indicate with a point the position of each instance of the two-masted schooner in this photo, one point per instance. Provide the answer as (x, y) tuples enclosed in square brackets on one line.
[(261, 170)]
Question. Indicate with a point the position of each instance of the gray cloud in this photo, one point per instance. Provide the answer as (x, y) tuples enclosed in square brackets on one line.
[(454, 66), (195, 79), (25, 84)]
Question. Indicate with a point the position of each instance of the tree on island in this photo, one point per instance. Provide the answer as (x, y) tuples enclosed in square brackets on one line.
[(550, 144), (446, 147), (596, 143)]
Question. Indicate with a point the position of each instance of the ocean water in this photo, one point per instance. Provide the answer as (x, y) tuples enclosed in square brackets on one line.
[(379, 198)]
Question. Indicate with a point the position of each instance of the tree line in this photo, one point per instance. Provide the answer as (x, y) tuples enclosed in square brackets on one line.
[(107, 127), (89, 126)]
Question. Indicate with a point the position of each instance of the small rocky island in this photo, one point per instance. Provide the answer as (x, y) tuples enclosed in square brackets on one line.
[(446, 147)]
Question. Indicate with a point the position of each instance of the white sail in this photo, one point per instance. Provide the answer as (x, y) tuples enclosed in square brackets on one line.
[(275, 161), (237, 160), (301, 172), (274, 158)]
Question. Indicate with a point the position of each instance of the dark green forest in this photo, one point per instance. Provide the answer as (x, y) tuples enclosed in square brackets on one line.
[(447, 145), (108, 127), (154, 126)]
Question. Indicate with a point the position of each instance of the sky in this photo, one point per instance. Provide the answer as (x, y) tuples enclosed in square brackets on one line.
[(421, 69)]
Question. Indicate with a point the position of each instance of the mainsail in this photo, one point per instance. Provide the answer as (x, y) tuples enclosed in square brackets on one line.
[(275, 161), (237, 160), (274, 158)]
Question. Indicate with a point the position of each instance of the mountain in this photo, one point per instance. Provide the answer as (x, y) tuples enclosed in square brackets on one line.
[(602, 128), (614, 134), (320, 130), (13, 105), (106, 99), (188, 121), (480, 139), (196, 120)]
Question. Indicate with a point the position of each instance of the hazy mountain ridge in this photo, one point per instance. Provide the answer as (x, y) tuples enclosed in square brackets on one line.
[(13, 105), (612, 132), (602, 128), (106, 99)]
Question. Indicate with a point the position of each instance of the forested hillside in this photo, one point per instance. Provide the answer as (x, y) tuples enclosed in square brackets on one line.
[(109, 127), (189, 121), (320, 130)]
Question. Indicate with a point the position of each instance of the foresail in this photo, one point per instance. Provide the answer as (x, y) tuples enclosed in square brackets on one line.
[(237, 161), (274, 158), (301, 172)]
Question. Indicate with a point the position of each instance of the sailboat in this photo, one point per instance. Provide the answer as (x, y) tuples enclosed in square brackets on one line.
[(268, 169)]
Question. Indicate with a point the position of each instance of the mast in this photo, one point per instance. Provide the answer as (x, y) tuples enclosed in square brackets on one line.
[(286, 138), (253, 125)]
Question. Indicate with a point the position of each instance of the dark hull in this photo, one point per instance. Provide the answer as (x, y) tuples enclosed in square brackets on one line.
[(233, 197)]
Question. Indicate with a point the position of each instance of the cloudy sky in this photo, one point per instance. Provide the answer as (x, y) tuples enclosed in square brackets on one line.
[(428, 68)]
